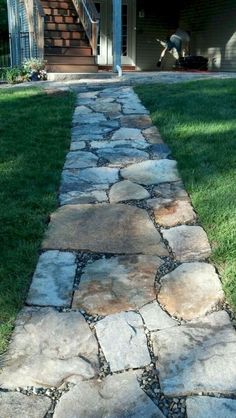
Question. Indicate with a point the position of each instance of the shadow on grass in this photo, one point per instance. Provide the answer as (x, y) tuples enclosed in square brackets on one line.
[(34, 138)]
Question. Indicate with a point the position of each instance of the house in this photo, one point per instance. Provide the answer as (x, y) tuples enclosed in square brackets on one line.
[(81, 35)]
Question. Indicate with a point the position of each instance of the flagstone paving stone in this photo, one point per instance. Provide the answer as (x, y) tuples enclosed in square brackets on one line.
[(120, 157), (117, 284), (117, 396), (151, 172), (76, 197), (53, 279), (134, 121), (210, 407), (159, 151), (80, 159), (77, 146), (102, 105), (130, 347), (71, 181), (168, 212), (104, 228), (135, 143), (127, 133), (88, 119), (155, 318), (17, 405), (188, 243), (48, 348), (126, 190), (197, 357), (173, 191), (152, 135), (191, 290)]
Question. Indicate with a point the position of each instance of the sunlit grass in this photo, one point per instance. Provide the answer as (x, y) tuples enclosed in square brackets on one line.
[(198, 121), (34, 137)]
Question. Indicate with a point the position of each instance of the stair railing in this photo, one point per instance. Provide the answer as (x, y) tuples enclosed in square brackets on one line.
[(89, 18)]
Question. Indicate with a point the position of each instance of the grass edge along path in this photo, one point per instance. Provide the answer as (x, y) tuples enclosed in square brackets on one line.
[(198, 121), (34, 139)]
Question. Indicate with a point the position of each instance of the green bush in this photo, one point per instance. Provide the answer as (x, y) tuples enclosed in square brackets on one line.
[(14, 75)]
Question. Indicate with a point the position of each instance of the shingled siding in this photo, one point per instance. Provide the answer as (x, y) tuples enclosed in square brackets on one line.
[(213, 31), (157, 22)]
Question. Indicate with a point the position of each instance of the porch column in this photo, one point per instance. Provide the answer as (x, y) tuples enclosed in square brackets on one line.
[(117, 33)]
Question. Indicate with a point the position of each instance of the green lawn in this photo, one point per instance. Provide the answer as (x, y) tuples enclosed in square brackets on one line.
[(34, 138), (198, 121)]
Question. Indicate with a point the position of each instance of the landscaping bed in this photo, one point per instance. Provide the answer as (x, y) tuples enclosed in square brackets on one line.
[(198, 121), (34, 139)]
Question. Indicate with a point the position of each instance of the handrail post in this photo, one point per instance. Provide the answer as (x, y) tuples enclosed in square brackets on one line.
[(117, 34)]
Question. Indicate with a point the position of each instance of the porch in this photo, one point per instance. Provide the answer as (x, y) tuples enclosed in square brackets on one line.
[(80, 36)]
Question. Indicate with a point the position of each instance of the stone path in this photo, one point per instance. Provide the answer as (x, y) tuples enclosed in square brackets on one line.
[(124, 316)]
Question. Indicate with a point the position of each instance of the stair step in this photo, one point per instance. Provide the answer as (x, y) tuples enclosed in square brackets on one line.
[(61, 19), (57, 5), (76, 60), (68, 43), (59, 12), (71, 27), (82, 51), (65, 68), (53, 34)]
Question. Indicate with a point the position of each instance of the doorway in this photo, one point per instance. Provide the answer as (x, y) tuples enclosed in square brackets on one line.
[(105, 55)]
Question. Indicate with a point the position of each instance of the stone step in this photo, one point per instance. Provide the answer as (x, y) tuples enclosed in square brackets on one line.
[(59, 12), (73, 68)]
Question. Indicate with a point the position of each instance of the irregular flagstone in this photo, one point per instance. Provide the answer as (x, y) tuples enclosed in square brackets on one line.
[(126, 190), (99, 175), (191, 290), (102, 105), (17, 405), (123, 341), (80, 159), (95, 129), (72, 182), (77, 137), (117, 284), (152, 135), (209, 407), (127, 133), (88, 178), (53, 280), (82, 110), (134, 121), (160, 150), (48, 348), (135, 143), (172, 191), (76, 146), (133, 107), (75, 197), (188, 243), (104, 228), (169, 212), (117, 396), (88, 119), (120, 157), (88, 95), (151, 172), (155, 318), (197, 357)]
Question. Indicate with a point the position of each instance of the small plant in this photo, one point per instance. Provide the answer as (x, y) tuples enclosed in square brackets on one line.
[(35, 69), (14, 75)]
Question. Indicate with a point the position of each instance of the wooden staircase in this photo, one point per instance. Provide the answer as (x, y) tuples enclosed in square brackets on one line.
[(66, 45)]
